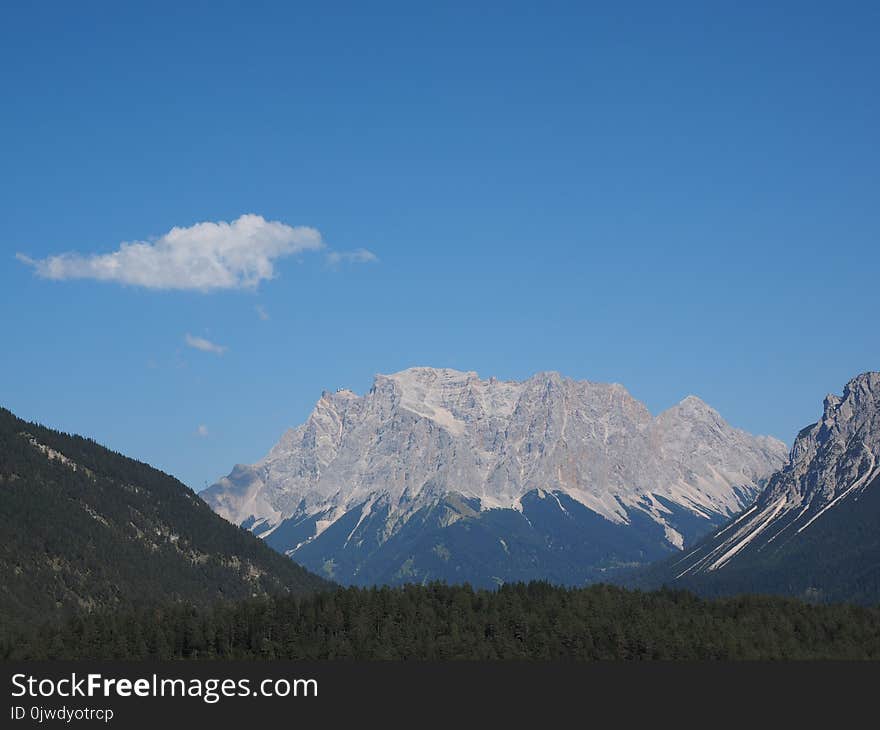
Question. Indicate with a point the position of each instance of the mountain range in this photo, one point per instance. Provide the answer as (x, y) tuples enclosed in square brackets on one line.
[(143, 569), (438, 474)]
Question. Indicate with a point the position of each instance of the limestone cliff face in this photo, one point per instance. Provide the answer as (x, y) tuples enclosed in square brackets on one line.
[(423, 436)]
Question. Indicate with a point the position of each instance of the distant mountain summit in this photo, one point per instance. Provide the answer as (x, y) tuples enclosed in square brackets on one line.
[(815, 529), (437, 474)]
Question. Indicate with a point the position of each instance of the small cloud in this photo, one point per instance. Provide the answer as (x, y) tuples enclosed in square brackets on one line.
[(200, 343), (261, 313), (203, 257), (358, 256), (202, 430)]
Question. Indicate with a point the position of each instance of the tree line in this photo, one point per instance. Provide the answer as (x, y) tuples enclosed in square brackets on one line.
[(534, 621)]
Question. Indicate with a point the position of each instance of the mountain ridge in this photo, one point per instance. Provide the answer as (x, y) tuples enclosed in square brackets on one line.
[(799, 537), (421, 436)]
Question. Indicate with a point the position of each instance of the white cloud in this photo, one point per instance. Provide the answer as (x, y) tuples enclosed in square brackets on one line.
[(202, 430), (203, 257), (200, 343), (261, 313), (358, 256)]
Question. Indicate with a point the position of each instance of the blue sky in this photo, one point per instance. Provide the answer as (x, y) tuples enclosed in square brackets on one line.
[(677, 197)]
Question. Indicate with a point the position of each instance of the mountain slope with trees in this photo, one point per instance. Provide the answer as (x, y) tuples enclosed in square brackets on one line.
[(86, 529)]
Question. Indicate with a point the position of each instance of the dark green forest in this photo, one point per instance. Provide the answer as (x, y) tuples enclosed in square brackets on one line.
[(534, 621)]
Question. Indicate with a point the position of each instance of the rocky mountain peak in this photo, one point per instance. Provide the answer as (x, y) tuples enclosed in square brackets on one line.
[(861, 403), (695, 404), (693, 410)]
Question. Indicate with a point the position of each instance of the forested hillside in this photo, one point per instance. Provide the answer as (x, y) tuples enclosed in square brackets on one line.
[(87, 529), (521, 621)]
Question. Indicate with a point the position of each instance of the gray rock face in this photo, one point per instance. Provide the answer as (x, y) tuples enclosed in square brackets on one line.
[(423, 435), (832, 462)]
